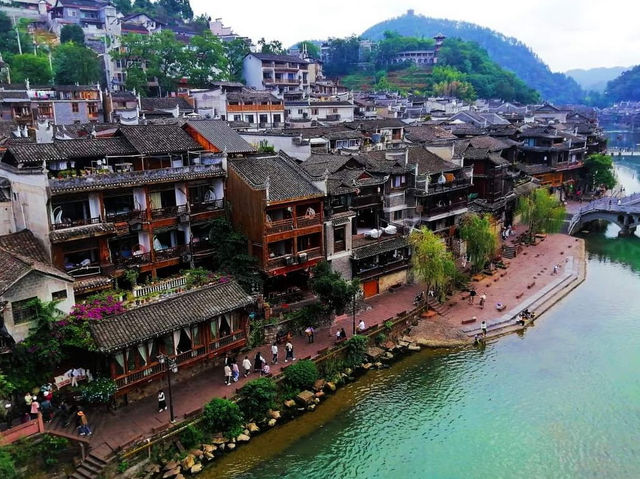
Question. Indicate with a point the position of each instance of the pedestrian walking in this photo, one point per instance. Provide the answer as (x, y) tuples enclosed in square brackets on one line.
[(361, 325), (227, 374), (289, 352), (227, 360), (483, 298), (246, 365), (35, 407), (162, 401), (257, 363), (343, 334), (235, 371), (310, 334), (483, 328), (28, 400), (83, 424), (555, 269), (274, 353), (472, 295)]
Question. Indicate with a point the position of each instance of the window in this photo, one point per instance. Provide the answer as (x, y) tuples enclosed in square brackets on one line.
[(59, 295), (24, 310), (74, 107), (397, 215), (399, 181), (237, 117), (314, 111), (338, 239), (300, 111), (335, 110)]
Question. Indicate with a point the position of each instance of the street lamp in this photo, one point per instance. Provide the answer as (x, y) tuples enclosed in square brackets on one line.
[(172, 367)]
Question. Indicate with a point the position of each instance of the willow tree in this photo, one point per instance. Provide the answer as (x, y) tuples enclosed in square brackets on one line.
[(542, 212), (432, 262), (481, 238)]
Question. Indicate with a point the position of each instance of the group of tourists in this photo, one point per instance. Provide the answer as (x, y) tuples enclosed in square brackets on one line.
[(43, 403)]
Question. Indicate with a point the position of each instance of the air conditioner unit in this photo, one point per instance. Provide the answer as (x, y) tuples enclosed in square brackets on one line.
[(302, 257), (186, 257), (290, 260)]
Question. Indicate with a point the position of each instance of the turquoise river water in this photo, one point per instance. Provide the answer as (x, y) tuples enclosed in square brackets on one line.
[(561, 400)]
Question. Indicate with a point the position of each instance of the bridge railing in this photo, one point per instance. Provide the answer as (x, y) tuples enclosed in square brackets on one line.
[(628, 204)]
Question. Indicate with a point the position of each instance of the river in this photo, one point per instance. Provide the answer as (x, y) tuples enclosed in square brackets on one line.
[(560, 400)]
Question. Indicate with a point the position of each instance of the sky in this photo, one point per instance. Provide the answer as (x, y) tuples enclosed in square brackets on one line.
[(566, 34)]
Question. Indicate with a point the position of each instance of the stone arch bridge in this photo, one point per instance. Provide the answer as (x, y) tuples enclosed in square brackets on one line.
[(625, 212)]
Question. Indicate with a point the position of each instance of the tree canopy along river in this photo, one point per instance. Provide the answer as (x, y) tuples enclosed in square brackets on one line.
[(561, 400)]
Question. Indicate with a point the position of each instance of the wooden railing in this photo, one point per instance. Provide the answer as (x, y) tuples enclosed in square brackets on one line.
[(133, 260), (169, 253), (122, 217), (279, 226), (70, 223), (159, 286), (168, 212), (218, 345), (306, 221), (207, 206)]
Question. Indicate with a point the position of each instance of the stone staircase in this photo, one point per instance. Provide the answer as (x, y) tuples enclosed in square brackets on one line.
[(90, 468), (508, 252), (441, 309)]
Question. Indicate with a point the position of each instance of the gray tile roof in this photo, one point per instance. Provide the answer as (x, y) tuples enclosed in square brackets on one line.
[(429, 163), (35, 152), (158, 139), (84, 231), (379, 246), (95, 147), (167, 103), (110, 181), (219, 133), (21, 253), (270, 57), (287, 181), (157, 319)]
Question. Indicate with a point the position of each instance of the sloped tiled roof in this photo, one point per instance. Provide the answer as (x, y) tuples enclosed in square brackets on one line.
[(160, 318), (166, 103), (287, 181), (157, 139), (220, 134), (428, 133), (379, 246), (35, 152), (95, 147), (270, 57), (429, 163), (21, 253)]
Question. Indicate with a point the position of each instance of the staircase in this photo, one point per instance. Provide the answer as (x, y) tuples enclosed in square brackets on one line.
[(441, 309), (90, 468), (508, 252)]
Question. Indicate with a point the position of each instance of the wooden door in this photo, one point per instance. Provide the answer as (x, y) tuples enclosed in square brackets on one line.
[(370, 288)]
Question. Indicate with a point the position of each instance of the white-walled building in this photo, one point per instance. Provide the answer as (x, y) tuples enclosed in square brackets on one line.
[(279, 73)]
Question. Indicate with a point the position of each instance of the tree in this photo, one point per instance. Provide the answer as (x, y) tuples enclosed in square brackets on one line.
[(235, 51), (599, 171), (344, 55), (75, 64), (481, 238), (312, 49), (275, 47), (542, 212), (177, 8), (231, 254), (72, 33), (29, 66), (206, 60), (122, 6), (333, 291), (432, 262), (8, 38)]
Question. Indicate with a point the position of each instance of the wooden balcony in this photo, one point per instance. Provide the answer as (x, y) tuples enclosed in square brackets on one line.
[(291, 224), (252, 108), (168, 212), (206, 206), (171, 253), (114, 217), (136, 259)]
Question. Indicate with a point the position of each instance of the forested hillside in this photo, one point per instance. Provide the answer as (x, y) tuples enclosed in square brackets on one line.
[(507, 52)]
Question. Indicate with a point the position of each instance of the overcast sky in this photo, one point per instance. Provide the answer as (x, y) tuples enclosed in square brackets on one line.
[(566, 34)]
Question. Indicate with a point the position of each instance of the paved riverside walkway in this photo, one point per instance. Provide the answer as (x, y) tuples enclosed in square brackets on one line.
[(127, 424), (112, 430)]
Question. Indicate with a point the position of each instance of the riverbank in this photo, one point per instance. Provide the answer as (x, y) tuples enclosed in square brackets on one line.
[(528, 283)]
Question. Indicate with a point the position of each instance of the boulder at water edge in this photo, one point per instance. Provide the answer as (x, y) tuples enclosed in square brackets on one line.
[(196, 468), (274, 414), (330, 387), (304, 398), (243, 438), (188, 462), (272, 422), (253, 427)]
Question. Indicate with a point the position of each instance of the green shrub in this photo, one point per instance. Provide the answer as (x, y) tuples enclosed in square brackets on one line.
[(49, 449), (191, 436), (99, 391), (330, 369), (356, 350), (301, 375), (7, 467), (257, 397), (222, 415), (380, 338), (123, 466), (388, 324)]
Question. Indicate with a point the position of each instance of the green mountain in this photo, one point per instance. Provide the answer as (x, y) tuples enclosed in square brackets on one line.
[(507, 52), (625, 87), (596, 79)]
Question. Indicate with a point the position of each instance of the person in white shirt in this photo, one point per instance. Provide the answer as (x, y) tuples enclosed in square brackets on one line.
[(483, 328), (361, 325), (289, 352), (246, 365), (274, 353), (227, 374), (162, 402)]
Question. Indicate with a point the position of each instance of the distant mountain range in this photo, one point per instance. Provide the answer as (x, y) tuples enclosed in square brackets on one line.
[(596, 79), (507, 52)]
